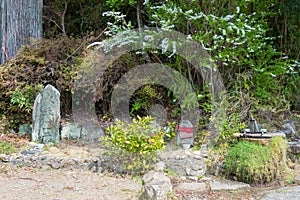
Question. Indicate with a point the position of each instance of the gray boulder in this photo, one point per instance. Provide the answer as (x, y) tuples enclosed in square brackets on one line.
[(89, 133), (157, 185), (25, 128), (184, 163), (71, 130), (290, 193), (93, 133), (289, 128)]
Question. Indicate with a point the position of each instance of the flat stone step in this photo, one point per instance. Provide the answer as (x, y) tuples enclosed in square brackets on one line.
[(227, 185), (192, 186)]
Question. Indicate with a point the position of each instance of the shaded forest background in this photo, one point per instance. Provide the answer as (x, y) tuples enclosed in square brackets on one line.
[(255, 44)]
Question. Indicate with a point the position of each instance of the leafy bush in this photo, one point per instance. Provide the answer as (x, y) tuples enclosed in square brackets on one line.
[(239, 43), (20, 103), (133, 146), (255, 74), (44, 62), (24, 98), (255, 163)]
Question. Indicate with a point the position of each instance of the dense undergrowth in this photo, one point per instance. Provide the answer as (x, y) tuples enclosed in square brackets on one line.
[(260, 80)]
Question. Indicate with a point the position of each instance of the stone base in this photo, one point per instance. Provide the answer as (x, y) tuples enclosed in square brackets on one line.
[(190, 164)]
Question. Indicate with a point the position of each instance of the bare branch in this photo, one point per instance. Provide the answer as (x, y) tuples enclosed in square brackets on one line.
[(56, 24), (63, 18)]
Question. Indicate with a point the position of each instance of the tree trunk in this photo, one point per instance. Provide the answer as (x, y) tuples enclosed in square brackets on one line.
[(138, 13), (20, 22)]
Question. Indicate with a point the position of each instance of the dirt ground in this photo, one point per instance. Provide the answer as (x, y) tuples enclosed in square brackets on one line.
[(24, 183), (28, 183), (20, 182)]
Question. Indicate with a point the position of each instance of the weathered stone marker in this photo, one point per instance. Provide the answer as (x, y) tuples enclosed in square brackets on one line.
[(46, 116), (185, 135)]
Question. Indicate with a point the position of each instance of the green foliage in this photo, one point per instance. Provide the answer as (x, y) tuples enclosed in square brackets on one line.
[(120, 3), (238, 43), (24, 99), (18, 108), (44, 62), (230, 126), (139, 137), (119, 24), (172, 133), (7, 147), (255, 163), (144, 98), (285, 23), (237, 36), (21, 105), (134, 145)]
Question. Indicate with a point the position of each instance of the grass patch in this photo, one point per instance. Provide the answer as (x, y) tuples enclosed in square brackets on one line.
[(256, 163)]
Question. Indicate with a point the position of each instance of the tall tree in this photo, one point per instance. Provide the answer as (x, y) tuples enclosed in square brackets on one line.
[(21, 21)]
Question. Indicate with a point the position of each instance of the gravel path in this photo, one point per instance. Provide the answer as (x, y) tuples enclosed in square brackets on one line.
[(65, 184), (68, 183), (27, 183)]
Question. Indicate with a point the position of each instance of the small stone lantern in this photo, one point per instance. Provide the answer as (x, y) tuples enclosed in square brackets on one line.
[(185, 135)]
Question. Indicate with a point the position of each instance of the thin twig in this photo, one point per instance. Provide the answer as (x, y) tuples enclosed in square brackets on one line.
[(63, 18), (99, 36), (51, 20), (80, 46)]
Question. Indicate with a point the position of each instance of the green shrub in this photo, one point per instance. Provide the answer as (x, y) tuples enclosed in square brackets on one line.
[(255, 163), (24, 99), (7, 147), (144, 97), (52, 61), (133, 146), (16, 106)]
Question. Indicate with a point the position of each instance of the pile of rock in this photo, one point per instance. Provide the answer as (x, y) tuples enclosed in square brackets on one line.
[(157, 186), (190, 167), (186, 164)]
